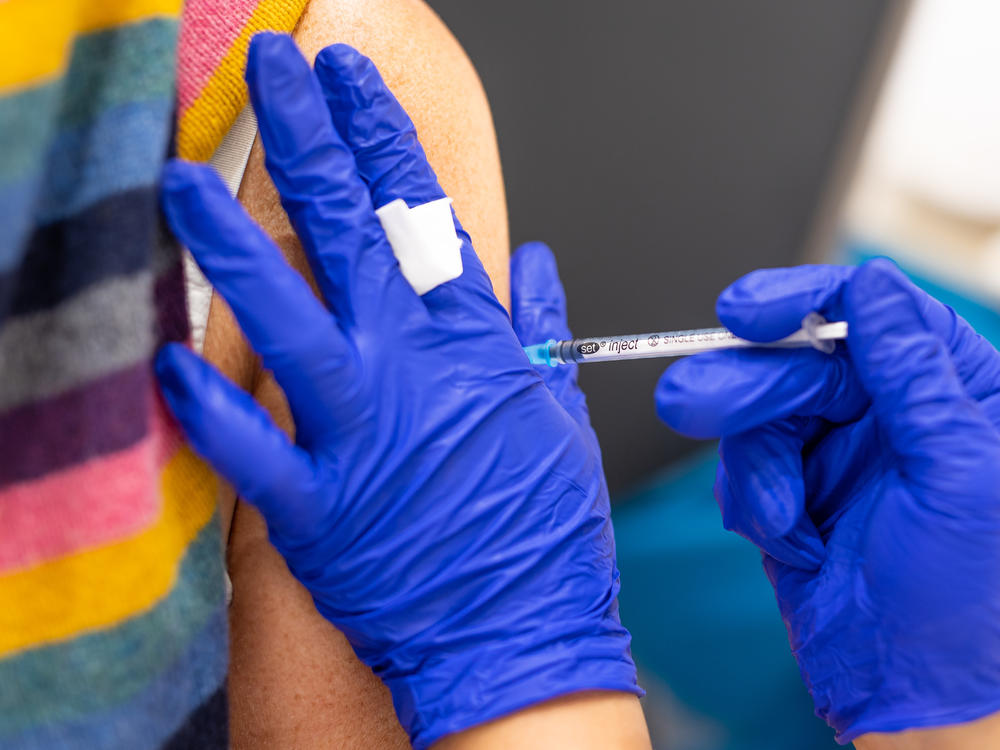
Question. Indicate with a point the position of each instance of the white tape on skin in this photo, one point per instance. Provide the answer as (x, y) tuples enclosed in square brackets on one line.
[(424, 241)]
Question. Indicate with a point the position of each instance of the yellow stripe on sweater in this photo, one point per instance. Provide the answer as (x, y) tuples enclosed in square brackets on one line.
[(36, 35), (101, 587), (202, 127)]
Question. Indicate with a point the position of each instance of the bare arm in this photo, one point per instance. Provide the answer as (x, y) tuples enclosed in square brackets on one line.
[(585, 721), (983, 734)]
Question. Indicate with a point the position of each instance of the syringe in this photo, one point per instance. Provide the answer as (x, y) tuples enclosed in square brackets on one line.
[(815, 332)]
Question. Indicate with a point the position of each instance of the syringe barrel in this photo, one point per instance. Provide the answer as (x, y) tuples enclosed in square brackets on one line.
[(815, 332), (643, 345)]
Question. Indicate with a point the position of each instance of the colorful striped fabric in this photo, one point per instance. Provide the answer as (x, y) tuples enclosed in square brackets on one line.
[(112, 614), (210, 89)]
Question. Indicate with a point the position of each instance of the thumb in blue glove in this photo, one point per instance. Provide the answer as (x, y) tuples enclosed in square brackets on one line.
[(538, 313), (888, 452)]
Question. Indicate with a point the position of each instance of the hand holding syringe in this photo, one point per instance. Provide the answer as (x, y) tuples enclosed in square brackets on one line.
[(815, 332)]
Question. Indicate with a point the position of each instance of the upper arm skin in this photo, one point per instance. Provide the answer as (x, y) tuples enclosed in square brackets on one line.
[(294, 681)]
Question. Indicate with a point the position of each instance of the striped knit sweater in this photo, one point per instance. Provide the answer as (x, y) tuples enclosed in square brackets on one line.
[(112, 614)]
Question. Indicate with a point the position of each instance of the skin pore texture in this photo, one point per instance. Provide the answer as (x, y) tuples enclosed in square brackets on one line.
[(294, 680)]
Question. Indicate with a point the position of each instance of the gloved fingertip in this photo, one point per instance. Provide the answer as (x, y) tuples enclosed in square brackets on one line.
[(174, 367), (783, 576), (770, 303), (885, 264), (680, 408), (163, 365), (538, 302), (175, 357), (262, 40), (669, 395), (534, 272), (735, 301), (742, 307), (876, 277), (374, 125), (798, 550), (270, 52), (783, 508), (194, 200), (535, 246), (180, 178), (338, 60), (532, 254), (284, 94), (352, 79), (174, 176), (811, 546), (884, 317)]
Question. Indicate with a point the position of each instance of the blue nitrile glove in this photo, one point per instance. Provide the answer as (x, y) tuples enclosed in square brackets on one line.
[(444, 510), (871, 480)]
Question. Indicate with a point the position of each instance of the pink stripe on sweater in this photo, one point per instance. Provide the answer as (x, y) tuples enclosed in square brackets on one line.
[(84, 506), (208, 29)]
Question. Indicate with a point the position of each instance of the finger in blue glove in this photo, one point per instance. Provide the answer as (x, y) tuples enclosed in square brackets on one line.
[(538, 313)]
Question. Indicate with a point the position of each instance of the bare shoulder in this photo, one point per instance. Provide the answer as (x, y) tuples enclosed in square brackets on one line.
[(380, 26), (432, 77)]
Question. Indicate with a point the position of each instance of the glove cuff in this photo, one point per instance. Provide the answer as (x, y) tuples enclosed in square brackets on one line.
[(919, 692), (454, 691), (929, 719)]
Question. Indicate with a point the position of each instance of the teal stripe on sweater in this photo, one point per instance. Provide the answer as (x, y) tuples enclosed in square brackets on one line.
[(101, 129), (141, 57), (122, 150), (27, 119), (150, 718), (97, 671)]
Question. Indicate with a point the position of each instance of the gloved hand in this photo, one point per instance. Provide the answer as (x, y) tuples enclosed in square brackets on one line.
[(870, 479), (447, 514)]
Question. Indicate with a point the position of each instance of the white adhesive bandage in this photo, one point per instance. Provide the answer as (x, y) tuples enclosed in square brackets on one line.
[(424, 241)]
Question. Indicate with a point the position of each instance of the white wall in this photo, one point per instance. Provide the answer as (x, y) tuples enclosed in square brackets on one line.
[(937, 127)]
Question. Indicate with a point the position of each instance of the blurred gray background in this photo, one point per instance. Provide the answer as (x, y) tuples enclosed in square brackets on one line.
[(663, 148)]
